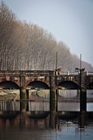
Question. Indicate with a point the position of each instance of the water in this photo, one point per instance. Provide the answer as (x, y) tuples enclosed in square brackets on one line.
[(37, 123), (24, 128), (40, 100)]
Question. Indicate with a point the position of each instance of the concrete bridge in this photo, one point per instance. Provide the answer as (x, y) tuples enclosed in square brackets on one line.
[(52, 80), (45, 79)]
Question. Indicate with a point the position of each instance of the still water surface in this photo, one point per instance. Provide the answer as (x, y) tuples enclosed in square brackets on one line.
[(24, 128), (18, 125)]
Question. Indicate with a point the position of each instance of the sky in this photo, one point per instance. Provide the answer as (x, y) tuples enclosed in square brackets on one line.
[(70, 21)]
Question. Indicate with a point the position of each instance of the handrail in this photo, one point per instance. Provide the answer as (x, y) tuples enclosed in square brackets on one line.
[(37, 72), (27, 72)]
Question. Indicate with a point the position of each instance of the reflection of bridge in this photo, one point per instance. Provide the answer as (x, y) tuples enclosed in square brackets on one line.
[(43, 104), (10, 106)]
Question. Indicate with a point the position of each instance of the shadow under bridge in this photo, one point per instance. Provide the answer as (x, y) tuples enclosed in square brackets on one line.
[(38, 96), (68, 93), (9, 91), (9, 94)]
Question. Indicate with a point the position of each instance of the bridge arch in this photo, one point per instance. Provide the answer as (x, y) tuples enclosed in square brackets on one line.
[(68, 89), (8, 85), (38, 84), (68, 85)]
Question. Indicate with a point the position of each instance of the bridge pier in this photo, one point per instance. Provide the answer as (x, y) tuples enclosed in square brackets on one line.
[(23, 96), (82, 91), (83, 100), (53, 97), (83, 113)]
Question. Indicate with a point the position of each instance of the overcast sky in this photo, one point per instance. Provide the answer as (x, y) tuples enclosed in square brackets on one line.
[(70, 21)]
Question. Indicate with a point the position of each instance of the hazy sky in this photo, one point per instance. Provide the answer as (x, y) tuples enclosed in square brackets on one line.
[(70, 21)]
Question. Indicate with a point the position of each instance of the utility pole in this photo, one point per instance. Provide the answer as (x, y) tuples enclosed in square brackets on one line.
[(56, 59), (82, 95)]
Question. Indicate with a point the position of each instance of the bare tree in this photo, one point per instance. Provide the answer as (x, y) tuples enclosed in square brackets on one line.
[(26, 46)]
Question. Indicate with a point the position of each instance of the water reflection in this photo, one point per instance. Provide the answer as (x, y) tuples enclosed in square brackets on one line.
[(39, 100), (31, 119), (43, 105), (10, 106), (44, 126)]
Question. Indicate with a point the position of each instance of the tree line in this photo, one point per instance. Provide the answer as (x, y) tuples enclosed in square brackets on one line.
[(26, 46)]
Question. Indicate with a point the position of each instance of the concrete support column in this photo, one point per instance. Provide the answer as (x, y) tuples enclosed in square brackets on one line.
[(23, 101), (83, 113), (53, 97), (23, 93), (82, 100), (22, 89), (53, 101), (23, 96), (82, 91)]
